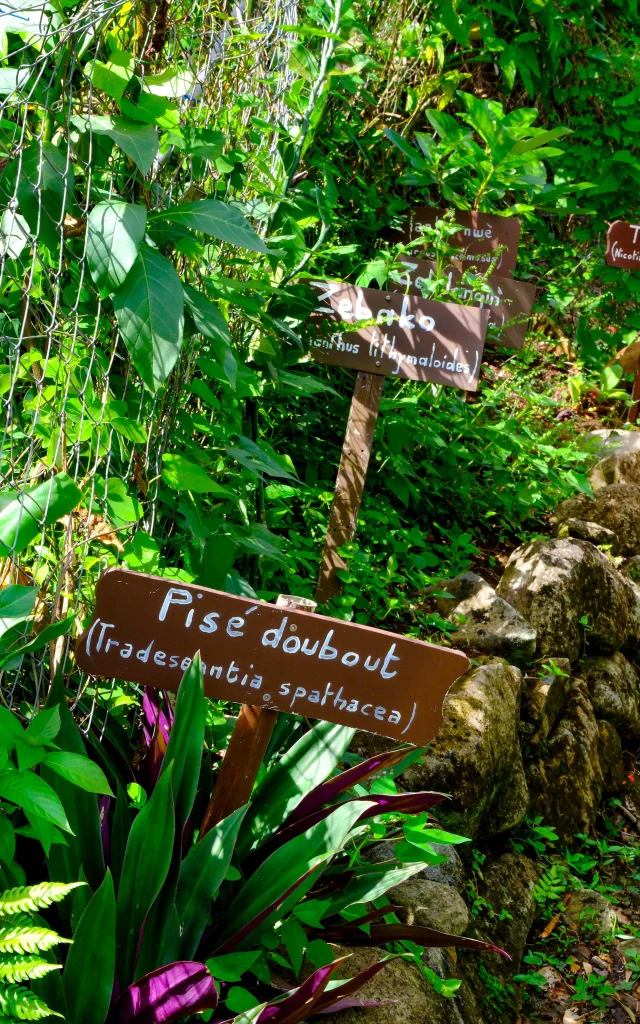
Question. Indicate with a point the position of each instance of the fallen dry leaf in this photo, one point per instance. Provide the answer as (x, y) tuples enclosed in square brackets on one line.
[(546, 932), (587, 968), (99, 529), (571, 1016)]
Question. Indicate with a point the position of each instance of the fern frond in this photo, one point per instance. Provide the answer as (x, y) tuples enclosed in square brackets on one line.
[(34, 897), (15, 967), (21, 935), (22, 1003)]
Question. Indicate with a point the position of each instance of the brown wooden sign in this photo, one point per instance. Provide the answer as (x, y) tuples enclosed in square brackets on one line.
[(623, 245), (411, 337), (481, 233), (147, 629), (511, 300)]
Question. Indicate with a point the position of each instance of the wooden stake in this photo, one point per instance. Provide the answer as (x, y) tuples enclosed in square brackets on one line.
[(352, 473), (254, 726)]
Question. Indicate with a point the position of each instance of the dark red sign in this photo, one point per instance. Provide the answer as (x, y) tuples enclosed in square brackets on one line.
[(410, 337), (480, 235), (511, 300), (147, 629), (623, 245)]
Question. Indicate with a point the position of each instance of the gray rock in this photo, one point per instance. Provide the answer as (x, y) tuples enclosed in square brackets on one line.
[(485, 621), (477, 756), (564, 775), (590, 914), (621, 467), (614, 689), (593, 532), (450, 872), (413, 1000), (631, 568), (543, 698), (431, 904), (611, 759), (555, 583), (606, 442), (616, 507), (629, 946)]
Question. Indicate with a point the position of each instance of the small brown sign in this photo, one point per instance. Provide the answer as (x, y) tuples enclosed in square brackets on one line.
[(147, 629), (411, 337), (511, 300), (623, 245), (481, 233)]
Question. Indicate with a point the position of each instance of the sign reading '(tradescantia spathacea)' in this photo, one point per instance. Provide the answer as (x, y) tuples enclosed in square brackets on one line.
[(406, 336), (147, 629)]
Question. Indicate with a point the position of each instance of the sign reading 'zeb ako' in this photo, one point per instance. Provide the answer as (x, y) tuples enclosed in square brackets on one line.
[(480, 234), (147, 629), (411, 337), (511, 300)]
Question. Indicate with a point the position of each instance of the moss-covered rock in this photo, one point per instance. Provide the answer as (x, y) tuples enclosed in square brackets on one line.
[(477, 756), (554, 583), (431, 904), (614, 690), (616, 507)]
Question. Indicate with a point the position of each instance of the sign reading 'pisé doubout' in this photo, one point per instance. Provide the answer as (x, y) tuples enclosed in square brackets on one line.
[(147, 629), (411, 337)]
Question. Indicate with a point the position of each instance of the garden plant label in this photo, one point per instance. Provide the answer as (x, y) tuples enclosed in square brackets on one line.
[(400, 335), (147, 629), (480, 235), (623, 245)]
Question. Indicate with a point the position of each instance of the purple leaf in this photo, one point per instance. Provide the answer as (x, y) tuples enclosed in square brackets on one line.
[(328, 791), (300, 1004), (384, 803), (167, 995), (380, 933), (156, 729)]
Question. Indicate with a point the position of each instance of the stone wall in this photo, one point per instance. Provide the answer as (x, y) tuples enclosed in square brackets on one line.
[(538, 726)]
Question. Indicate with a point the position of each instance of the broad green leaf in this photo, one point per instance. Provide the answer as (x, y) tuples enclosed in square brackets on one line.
[(306, 764), (33, 794), (211, 217), (149, 308), (44, 727), (78, 769), (146, 863), (10, 728), (24, 516), (89, 971), (373, 883), (7, 839), (45, 187), (133, 431), (84, 849), (280, 871), (49, 633), (14, 234), (231, 966), (201, 874), (207, 317), (184, 751), (182, 474), (151, 110), (432, 835), (115, 232), (139, 142), (16, 604), (261, 458)]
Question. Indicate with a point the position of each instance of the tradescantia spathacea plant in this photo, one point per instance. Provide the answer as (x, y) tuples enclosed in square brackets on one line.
[(170, 922)]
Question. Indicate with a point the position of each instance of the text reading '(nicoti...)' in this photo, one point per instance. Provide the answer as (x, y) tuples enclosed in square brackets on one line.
[(147, 629)]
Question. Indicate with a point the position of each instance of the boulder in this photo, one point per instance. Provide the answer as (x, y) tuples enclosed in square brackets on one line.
[(621, 467), (606, 442), (593, 532), (590, 914), (477, 757), (611, 759), (412, 998), (430, 904), (485, 621), (451, 872), (554, 583), (616, 507), (543, 697), (565, 776), (614, 690)]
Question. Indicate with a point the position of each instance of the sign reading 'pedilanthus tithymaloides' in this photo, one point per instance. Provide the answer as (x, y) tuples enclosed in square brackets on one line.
[(480, 235), (623, 245), (147, 629), (509, 306), (410, 337)]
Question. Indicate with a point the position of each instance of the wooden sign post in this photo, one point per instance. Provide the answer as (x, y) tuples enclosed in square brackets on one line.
[(623, 251), (480, 235), (147, 629)]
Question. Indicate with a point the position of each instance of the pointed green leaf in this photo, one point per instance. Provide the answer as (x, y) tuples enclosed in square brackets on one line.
[(115, 232), (214, 218), (89, 972), (78, 769), (149, 308), (184, 751), (24, 516), (139, 141), (44, 727), (32, 793)]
